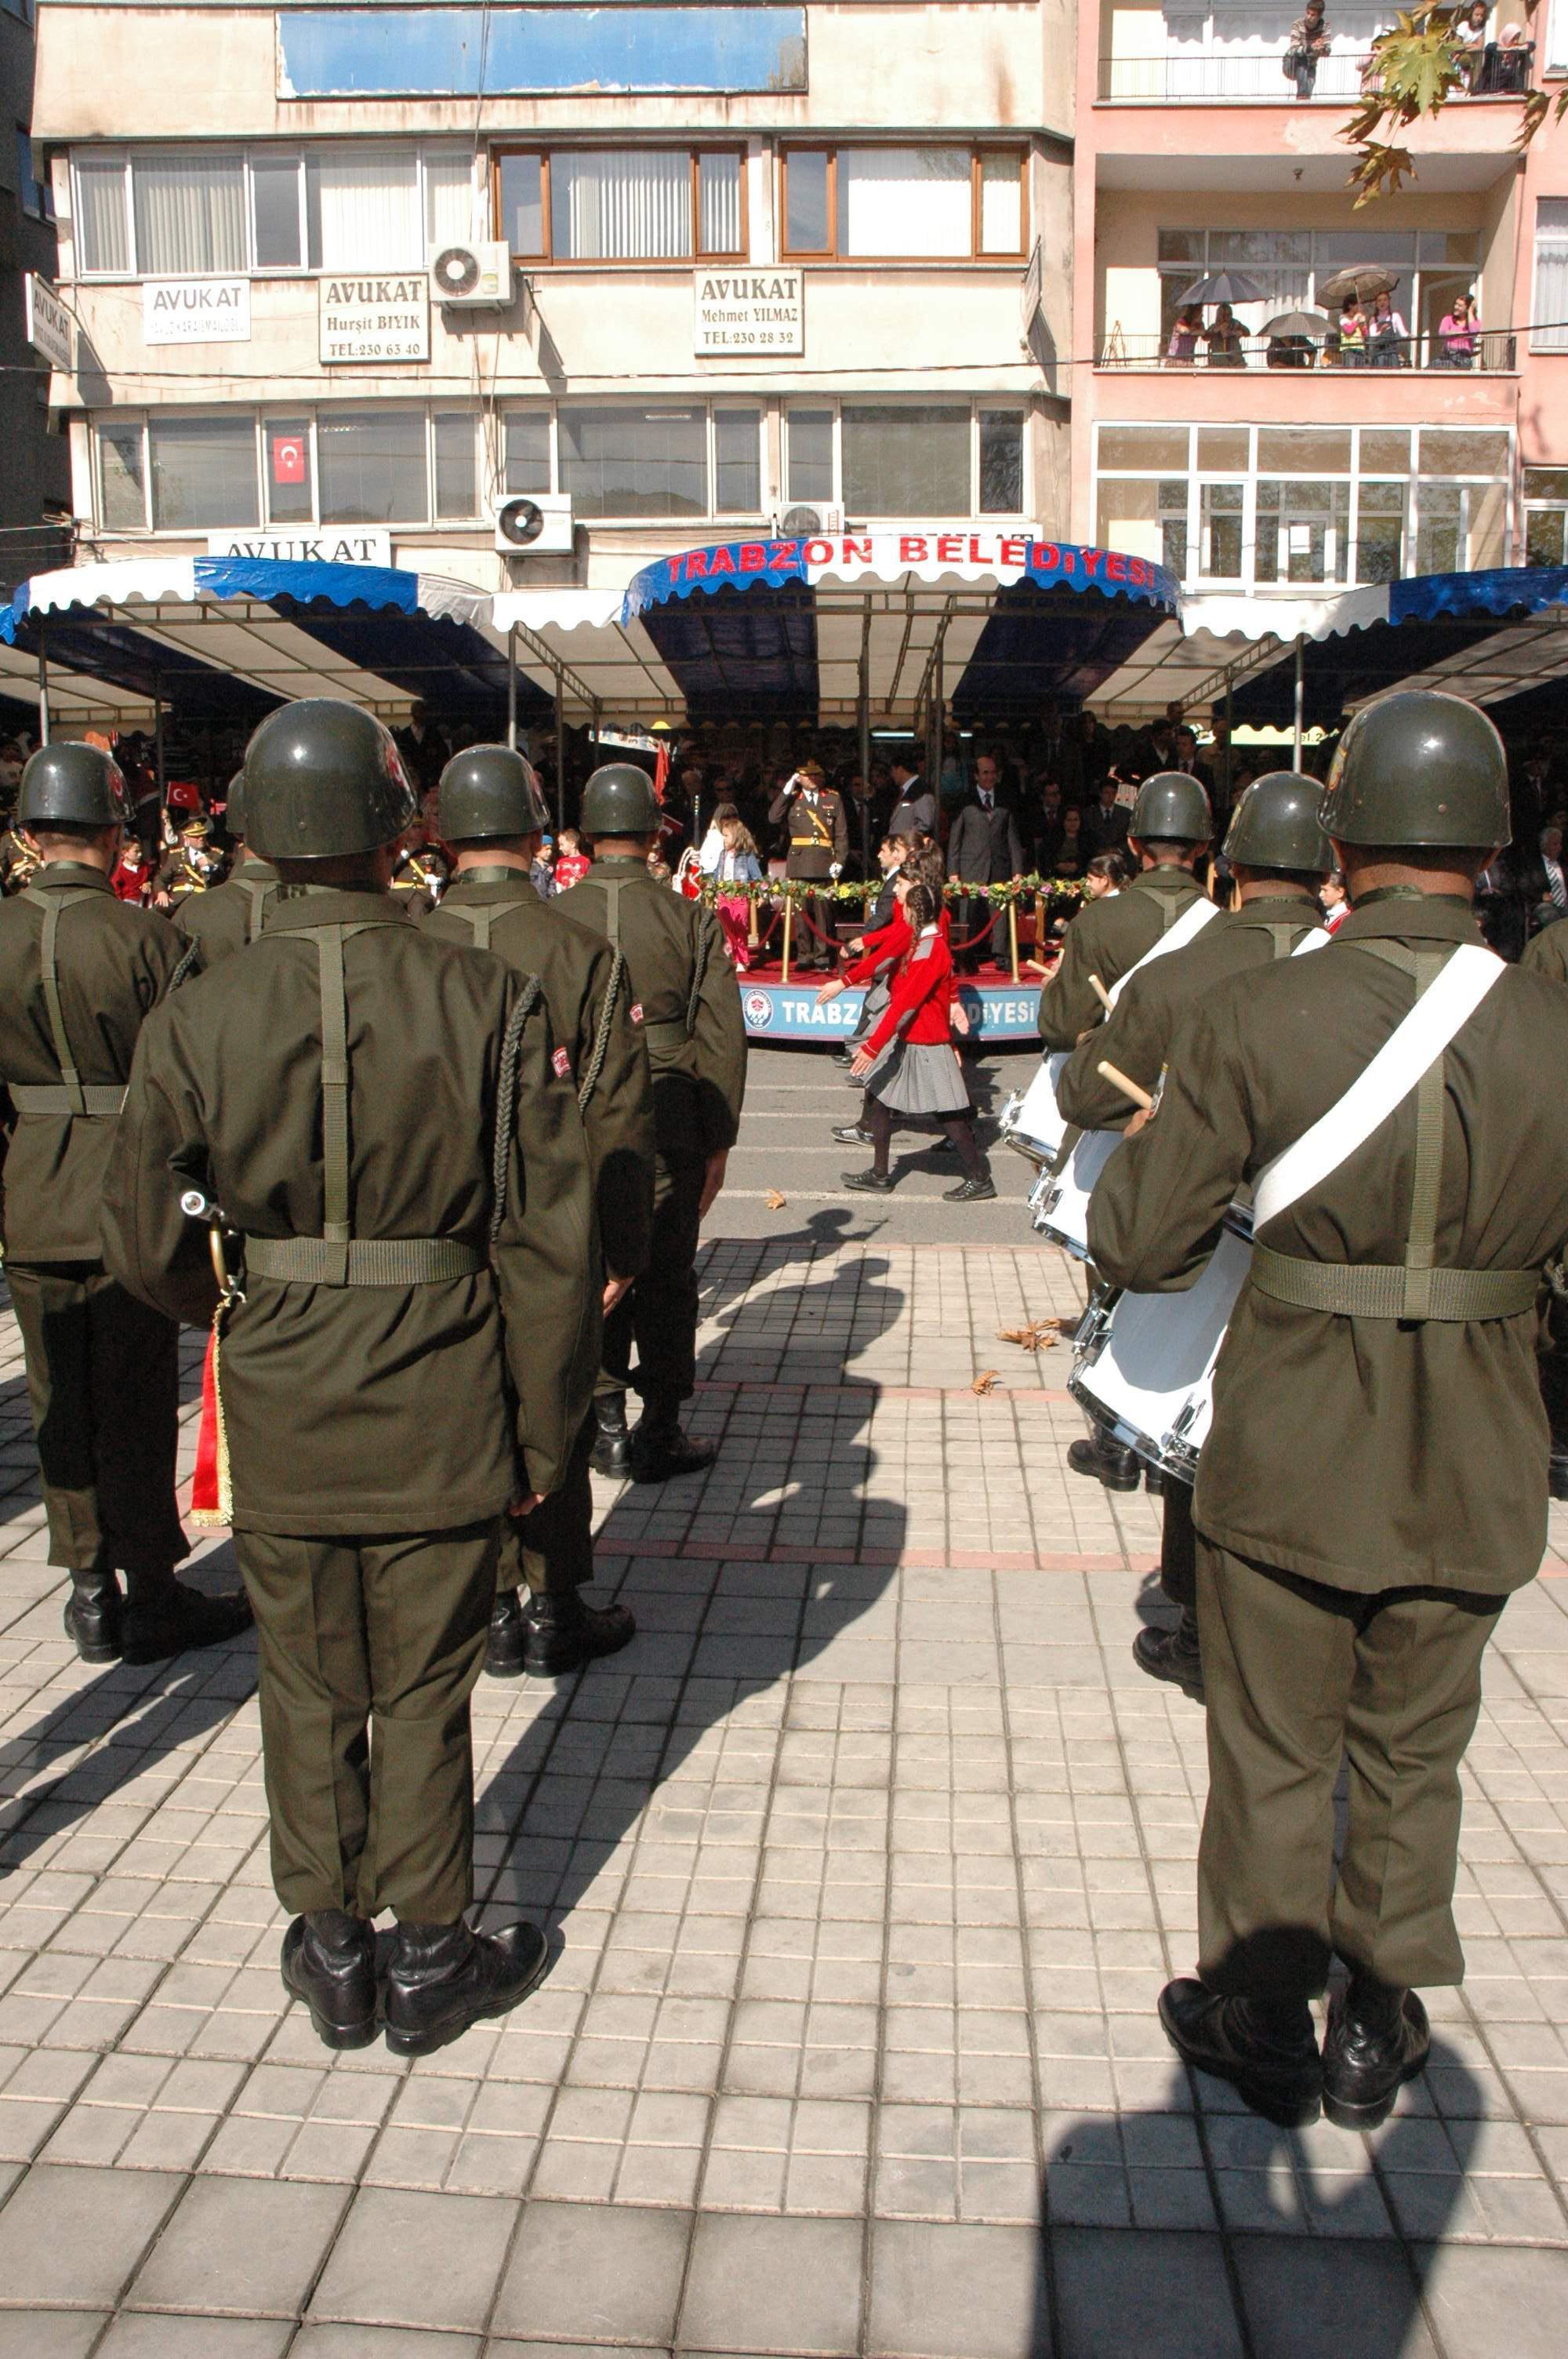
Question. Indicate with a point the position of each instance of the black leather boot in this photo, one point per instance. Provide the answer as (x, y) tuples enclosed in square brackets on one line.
[(504, 1648), (1172, 1655), (660, 1450), (1557, 1469), (1096, 1454), (1378, 2039), (165, 1617), (1267, 2052), (612, 1451), (561, 1634), (93, 1617), (444, 1977), (328, 1960)]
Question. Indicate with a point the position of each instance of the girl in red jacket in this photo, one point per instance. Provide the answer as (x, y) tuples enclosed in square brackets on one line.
[(910, 1065)]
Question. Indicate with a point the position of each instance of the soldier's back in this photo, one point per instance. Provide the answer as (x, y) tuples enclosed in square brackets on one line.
[(228, 916)]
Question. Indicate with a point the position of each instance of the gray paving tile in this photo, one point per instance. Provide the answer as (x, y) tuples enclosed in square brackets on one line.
[(380, 2342), (957, 2291), (1303, 2298), (162, 2337), (776, 2287), (1164, 2296), (76, 2236), (1487, 2300), (241, 2250), (585, 2270), (49, 2333), (416, 2260)]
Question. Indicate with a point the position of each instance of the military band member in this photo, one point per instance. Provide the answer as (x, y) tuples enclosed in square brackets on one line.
[(492, 818), (79, 973), (405, 1183), (1170, 828), (1278, 855), (1374, 1483), (228, 916), (683, 996)]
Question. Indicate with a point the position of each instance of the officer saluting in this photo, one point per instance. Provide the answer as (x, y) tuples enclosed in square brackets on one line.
[(493, 819), (1170, 827), (1374, 1483), (685, 998), (378, 1115), (80, 971), (1279, 855), (228, 916)]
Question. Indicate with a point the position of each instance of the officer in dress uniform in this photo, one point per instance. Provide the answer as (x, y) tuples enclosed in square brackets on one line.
[(492, 818), (228, 916), (818, 847), (405, 1190), (683, 996), (191, 867), (1374, 1483), (1278, 855), (420, 869), (80, 971)]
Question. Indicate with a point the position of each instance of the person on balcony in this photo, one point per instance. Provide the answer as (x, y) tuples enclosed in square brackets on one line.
[(1223, 337), (1459, 334), (1352, 332), (1469, 37), (1181, 350), (1388, 338), (1309, 39)]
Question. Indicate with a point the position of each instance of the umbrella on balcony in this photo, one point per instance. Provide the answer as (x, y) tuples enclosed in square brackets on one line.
[(1225, 286), (1359, 278), (1299, 323)]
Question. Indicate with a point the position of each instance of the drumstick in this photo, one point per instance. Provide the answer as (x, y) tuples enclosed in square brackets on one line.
[(1129, 1089), (1101, 994)]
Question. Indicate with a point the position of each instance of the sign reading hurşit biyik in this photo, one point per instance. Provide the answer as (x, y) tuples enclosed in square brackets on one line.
[(384, 318), (750, 311)]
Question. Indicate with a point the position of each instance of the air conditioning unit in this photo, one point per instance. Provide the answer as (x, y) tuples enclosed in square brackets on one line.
[(471, 275), (803, 523), (535, 524)]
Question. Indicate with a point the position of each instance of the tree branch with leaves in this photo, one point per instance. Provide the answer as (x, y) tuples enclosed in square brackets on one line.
[(1413, 72)]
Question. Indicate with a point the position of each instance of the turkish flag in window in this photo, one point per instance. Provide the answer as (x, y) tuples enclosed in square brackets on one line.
[(289, 459)]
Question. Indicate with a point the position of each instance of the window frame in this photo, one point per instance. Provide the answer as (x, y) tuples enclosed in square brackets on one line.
[(992, 404), (1540, 338), (694, 151), (978, 149)]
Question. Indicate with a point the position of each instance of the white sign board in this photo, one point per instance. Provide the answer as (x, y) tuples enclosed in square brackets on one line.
[(49, 323), (750, 311), (196, 310), (332, 545), (385, 319)]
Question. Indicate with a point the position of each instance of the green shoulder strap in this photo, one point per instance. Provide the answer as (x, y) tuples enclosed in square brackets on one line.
[(259, 895), (51, 904)]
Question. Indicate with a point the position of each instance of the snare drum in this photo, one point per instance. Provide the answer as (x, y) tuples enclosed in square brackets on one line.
[(1144, 1363), (1029, 1122), (1059, 1200)]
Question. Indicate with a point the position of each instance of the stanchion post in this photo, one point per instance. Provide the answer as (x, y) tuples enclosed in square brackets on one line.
[(788, 914), (1012, 934), (1300, 695), (43, 687), (512, 688)]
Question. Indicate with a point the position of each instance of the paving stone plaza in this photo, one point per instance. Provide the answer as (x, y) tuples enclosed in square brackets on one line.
[(867, 1862)]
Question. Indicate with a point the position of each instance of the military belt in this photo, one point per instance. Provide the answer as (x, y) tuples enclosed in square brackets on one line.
[(1393, 1290), (362, 1261), (53, 1097), (672, 1035)]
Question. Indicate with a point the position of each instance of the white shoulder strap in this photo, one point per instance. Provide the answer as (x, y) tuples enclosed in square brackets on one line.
[(1186, 928), (1318, 937), (1411, 1049)]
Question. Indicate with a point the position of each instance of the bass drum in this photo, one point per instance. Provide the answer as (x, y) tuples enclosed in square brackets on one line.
[(1144, 1366), (1030, 1122), (1059, 1200)]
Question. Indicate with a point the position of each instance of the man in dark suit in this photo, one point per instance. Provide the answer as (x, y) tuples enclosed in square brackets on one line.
[(1188, 763), (1105, 823), (983, 848)]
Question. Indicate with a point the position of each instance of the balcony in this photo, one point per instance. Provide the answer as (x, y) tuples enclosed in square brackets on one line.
[(1232, 76), (1494, 355)]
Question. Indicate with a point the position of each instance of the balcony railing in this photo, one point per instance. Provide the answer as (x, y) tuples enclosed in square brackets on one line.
[(1491, 352), (1250, 77)]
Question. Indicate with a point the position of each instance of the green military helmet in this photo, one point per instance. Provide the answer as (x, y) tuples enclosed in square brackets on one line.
[(323, 780), (1276, 825), (72, 785), (1419, 768), (619, 800), (1171, 808), (488, 792), (234, 808)]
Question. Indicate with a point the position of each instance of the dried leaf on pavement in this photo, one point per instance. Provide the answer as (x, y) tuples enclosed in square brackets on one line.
[(984, 1382), (775, 1201), (1039, 1335)]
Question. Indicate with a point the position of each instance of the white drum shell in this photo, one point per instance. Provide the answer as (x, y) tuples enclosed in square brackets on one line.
[(1032, 1123), (1145, 1367), (1059, 1200)]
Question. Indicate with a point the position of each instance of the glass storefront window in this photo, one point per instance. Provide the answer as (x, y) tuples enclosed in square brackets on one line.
[(1439, 536), (122, 477), (738, 461), (1380, 531), (372, 466), (203, 472), (809, 471), (457, 468), (1002, 463), (290, 494), (905, 462), (1302, 531), (1146, 447), (1221, 507), (635, 463), (526, 460)]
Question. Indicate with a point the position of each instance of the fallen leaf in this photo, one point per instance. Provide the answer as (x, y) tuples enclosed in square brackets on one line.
[(1040, 1335), (984, 1382), (775, 1203)]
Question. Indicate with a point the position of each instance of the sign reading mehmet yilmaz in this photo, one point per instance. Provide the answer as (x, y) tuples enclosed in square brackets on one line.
[(378, 318), (750, 311)]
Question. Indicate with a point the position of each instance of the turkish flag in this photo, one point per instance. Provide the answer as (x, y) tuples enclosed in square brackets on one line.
[(289, 459)]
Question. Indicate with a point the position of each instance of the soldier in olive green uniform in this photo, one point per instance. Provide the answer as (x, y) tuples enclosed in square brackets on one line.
[(1374, 1483), (685, 998), (1547, 953), (228, 916), (405, 1181), (1170, 827), (1279, 855), (80, 971), (492, 818)]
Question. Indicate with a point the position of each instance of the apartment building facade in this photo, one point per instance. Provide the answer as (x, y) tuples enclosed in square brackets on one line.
[(531, 296), (35, 470)]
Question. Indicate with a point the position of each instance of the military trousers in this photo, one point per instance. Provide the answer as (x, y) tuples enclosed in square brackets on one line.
[(1178, 1545), (551, 1551), (370, 1649), (1300, 1678), (659, 1314), (103, 1387)]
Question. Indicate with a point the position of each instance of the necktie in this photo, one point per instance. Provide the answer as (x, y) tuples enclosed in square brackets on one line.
[(1554, 881)]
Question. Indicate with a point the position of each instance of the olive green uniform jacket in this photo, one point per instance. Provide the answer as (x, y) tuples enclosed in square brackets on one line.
[(228, 916), (1365, 1454), (1106, 938), (368, 1409), (1547, 952), (1136, 1035), (589, 1001)]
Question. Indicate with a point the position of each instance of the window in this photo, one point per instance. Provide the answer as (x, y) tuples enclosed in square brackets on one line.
[(1302, 531), (1430, 266), (190, 214), (631, 204), (203, 472), (102, 224), (456, 467), (1549, 313), (912, 204), (905, 462), (1221, 508), (809, 464), (123, 483), (635, 463), (1002, 463), (736, 462), (372, 466), (1546, 516), (290, 492), (526, 460), (35, 193), (365, 212), (1381, 534), (277, 218)]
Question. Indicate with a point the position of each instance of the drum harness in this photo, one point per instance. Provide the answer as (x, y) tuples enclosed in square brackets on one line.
[(70, 1095)]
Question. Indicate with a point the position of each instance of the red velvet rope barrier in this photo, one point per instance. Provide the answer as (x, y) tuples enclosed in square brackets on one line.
[(966, 941), (769, 931), (830, 940)]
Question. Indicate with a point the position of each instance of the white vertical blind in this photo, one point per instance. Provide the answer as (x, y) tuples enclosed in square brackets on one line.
[(719, 203), (1001, 205), (913, 201), (102, 231), (1550, 324), (366, 206), (449, 197), (190, 213), (632, 207)]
